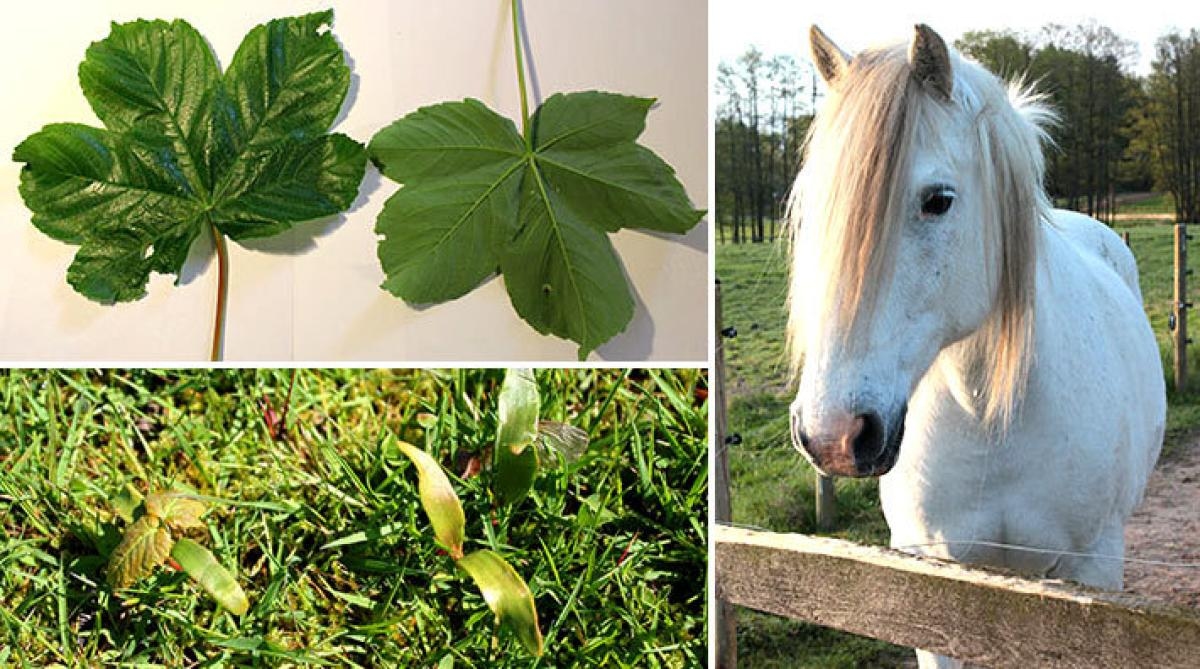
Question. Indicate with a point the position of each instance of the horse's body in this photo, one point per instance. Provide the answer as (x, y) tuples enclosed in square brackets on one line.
[(988, 354), (1083, 439)]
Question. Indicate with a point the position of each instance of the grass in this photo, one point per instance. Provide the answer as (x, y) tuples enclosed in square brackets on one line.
[(613, 546), (773, 486)]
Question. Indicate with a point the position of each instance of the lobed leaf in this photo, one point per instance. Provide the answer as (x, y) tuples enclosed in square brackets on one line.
[(145, 545), (177, 511), (203, 568), (515, 463), (186, 148), (507, 595), (477, 197), (438, 499)]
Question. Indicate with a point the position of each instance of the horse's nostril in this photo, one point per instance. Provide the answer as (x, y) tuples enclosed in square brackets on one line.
[(869, 443)]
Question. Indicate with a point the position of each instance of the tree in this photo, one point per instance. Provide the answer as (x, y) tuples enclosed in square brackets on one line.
[(1174, 116)]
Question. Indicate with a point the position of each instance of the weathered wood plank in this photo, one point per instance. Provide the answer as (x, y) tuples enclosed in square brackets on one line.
[(981, 616)]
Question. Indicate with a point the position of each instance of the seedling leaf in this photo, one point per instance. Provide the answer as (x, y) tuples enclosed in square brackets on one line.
[(515, 462), (178, 512), (186, 148), (126, 502), (145, 545), (203, 568), (438, 499), (566, 443), (506, 595)]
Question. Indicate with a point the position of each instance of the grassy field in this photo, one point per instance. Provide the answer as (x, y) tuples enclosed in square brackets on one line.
[(773, 486), (613, 545)]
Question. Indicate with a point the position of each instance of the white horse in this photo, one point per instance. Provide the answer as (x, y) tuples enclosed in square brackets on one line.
[(953, 329)]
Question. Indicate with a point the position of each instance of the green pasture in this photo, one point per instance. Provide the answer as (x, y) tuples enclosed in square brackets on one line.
[(772, 486), (322, 527)]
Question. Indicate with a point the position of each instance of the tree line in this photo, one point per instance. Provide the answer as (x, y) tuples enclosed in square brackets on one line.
[(1117, 132)]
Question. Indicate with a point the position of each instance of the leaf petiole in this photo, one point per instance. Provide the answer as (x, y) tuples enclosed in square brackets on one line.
[(218, 338), (516, 24)]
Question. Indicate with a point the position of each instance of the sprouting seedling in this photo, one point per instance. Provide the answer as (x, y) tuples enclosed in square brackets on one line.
[(152, 539), (506, 593), (275, 422), (536, 203), (521, 437)]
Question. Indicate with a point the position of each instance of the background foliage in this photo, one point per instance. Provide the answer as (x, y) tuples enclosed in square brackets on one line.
[(1119, 132), (613, 546)]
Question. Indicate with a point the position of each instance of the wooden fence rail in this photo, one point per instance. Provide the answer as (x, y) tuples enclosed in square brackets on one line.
[(981, 616)]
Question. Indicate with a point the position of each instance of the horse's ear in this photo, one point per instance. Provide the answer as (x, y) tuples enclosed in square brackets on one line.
[(930, 61), (830, 60)]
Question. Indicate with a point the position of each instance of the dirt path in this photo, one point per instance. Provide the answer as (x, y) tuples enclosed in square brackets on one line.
[(1167, 527)]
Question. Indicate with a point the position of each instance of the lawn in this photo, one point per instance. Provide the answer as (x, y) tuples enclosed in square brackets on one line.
[(613, 545), (772, 487)]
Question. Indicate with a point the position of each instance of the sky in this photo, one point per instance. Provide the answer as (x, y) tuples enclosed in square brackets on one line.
[(781, 26)]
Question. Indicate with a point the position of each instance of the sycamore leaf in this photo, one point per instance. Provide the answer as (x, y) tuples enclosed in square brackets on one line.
[(145, 545), (177, 511), (507, 595), (186, 148), (478, 197), (515, 461), (203, 568), (439, 500)]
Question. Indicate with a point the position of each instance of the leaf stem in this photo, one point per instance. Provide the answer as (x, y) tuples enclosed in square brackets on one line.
[(218, 338), (516, 25)]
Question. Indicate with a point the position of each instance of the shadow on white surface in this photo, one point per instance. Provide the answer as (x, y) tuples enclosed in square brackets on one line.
[(695, 239), (637, 340), (352, 93)]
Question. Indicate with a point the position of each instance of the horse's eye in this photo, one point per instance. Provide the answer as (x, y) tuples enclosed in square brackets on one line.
[(937, 202)]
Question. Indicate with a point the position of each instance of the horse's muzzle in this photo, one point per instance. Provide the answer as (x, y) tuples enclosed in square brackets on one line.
[(862, 445)]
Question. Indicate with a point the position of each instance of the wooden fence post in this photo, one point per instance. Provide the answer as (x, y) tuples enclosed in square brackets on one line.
[(1181, 306), (826, 502), (724, 618)]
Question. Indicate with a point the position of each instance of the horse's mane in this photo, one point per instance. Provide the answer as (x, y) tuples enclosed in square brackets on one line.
[(849, 197)]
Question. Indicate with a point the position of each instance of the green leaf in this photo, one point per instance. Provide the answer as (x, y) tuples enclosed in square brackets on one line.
[(177, 511), (506, 595), (515, 462), (145, 545), (186, 148), (477, 196), (438, 499), (126, 502), (203, 568)]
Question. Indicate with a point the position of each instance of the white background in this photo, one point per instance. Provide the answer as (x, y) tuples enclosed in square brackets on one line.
[(313, 294)]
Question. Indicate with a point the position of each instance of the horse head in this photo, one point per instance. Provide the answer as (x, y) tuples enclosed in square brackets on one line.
[(914, 225)]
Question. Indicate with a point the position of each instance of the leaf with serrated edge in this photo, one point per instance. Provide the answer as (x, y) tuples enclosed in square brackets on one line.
[(506, 595), (515, 462), (438, 499), (186, 148), (477, 197), (146, 545), (203, 568), (177, 511)]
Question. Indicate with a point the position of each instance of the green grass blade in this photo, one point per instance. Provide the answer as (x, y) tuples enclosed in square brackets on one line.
[(515, 462), (438, 499), (506, 595), (200, 564)]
